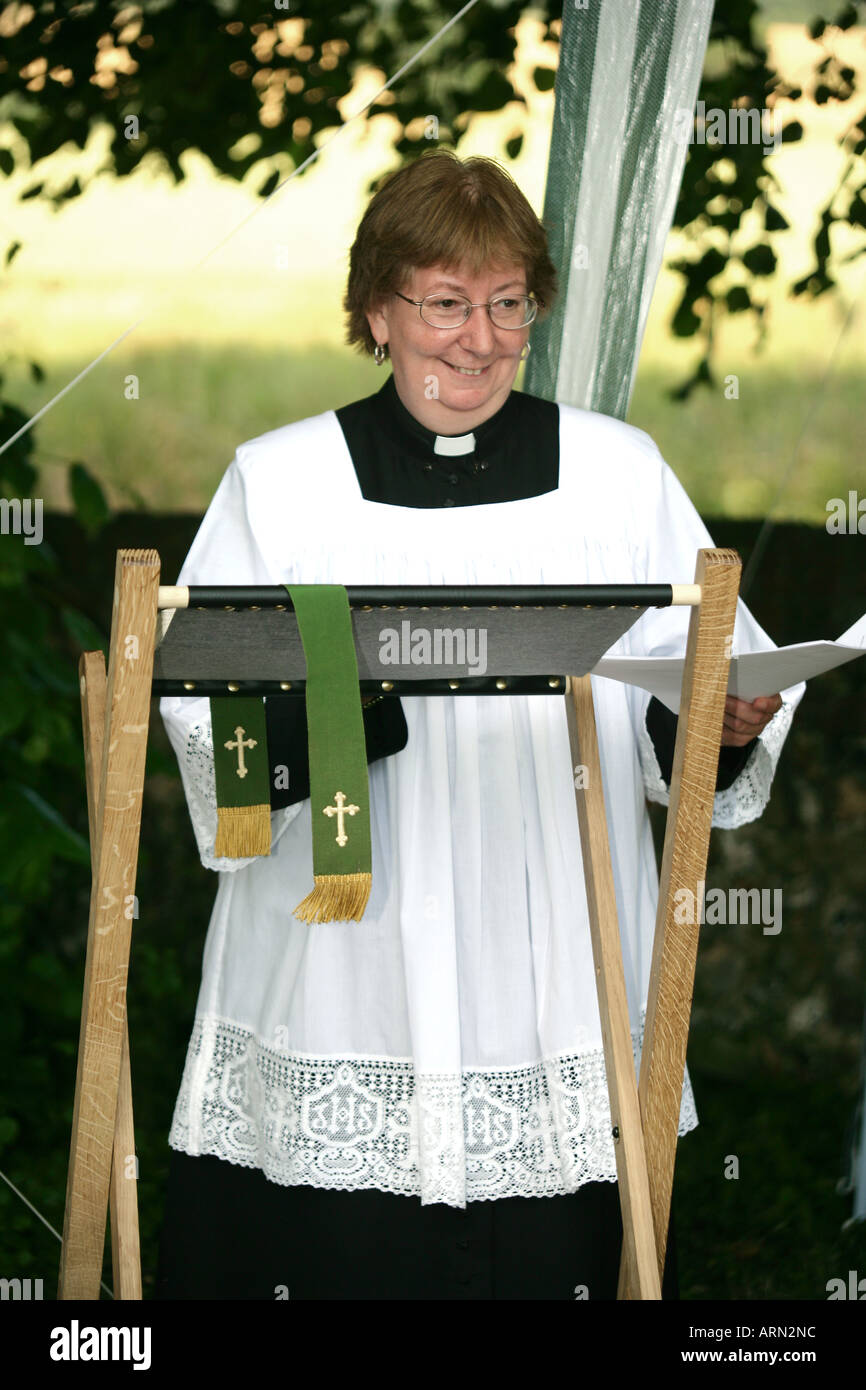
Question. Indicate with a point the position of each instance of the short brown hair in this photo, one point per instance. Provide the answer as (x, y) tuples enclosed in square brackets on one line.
[(440, 209)]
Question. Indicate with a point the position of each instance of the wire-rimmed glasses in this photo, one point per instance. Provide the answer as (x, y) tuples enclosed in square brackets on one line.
[(446, 310)]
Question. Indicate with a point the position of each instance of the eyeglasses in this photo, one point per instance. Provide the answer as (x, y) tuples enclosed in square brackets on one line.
[(450, 310)]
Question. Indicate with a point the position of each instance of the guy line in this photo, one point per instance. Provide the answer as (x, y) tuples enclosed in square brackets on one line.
[(38, 1214)]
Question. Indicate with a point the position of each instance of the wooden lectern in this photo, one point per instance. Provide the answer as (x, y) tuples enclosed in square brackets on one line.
[(216, 641)]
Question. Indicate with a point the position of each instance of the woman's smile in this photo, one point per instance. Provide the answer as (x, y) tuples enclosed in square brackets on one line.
[(466, 371)]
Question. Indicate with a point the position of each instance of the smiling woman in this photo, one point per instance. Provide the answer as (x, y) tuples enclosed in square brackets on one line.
[(414, 1104), (438, 229)]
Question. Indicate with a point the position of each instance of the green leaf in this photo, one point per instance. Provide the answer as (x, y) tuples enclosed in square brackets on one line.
[(737, 299), (83, 632), (8, 1130), (15, 705), (759, 260), (88, 499), (685, 321), (774, 221), (269, 184), (544, 78)]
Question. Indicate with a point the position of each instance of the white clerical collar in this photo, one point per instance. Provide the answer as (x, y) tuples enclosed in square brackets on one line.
[(453, 444)]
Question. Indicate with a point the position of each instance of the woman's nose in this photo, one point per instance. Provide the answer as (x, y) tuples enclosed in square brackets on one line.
[(477, 332)]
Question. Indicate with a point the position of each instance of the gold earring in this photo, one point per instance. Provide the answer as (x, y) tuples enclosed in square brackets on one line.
[(525, 350), (378, 354)]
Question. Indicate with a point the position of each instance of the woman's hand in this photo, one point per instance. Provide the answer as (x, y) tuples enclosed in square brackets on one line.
[(745, 719)]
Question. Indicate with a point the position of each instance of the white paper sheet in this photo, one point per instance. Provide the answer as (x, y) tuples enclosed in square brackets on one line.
[(752, 674)]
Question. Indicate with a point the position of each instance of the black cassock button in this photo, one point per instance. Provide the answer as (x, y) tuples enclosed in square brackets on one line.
[(484, 464), (428, 468), (453, 479), (449, 502)]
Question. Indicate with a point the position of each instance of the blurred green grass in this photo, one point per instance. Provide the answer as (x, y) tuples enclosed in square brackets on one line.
[(197, 402)]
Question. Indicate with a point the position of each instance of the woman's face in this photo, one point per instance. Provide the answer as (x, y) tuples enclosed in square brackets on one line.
[(427, 361)]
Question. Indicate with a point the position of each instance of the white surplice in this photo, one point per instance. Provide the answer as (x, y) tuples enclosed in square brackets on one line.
[(447, 1046)]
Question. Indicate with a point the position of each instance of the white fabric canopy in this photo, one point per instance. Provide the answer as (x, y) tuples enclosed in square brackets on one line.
[(447, 1046)]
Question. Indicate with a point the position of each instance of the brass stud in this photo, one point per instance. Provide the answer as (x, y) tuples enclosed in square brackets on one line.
[(285, 685), (229, 608), (279, 608), (554, 682), (255, 607), (233, 685), (367, 608), (455, 685), (502, 685), (189, 685), (387, 685)]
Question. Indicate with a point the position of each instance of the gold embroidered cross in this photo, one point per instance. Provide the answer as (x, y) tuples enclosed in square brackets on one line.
[(240, 745), (340, 810)]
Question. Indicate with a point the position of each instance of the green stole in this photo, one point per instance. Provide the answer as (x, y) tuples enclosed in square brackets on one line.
[(339, 784)]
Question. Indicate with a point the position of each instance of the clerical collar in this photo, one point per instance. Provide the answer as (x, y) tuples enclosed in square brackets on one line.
[(515, 454), (484, 437)]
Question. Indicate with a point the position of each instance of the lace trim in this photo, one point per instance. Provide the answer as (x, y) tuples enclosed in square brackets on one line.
[(747, 796), (372, 1122)]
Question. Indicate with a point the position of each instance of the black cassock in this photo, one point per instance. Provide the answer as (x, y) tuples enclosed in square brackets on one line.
[(230, 1233)]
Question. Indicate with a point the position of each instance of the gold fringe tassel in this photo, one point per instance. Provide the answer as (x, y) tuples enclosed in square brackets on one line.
[(243, 832), (336, 898)]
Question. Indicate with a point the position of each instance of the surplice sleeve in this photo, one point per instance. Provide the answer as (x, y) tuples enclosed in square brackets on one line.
[(225, 551), (675, 534)]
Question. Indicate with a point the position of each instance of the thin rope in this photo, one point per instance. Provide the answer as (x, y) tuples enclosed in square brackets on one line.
[(253, 212), (44, 1222)]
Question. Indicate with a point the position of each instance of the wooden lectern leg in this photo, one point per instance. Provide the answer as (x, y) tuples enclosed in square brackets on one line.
[(125, 1245), (684, 866), (115, 844), (631, 1165)]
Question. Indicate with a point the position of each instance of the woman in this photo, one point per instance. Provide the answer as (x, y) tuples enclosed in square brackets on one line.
[(421, 1096)]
